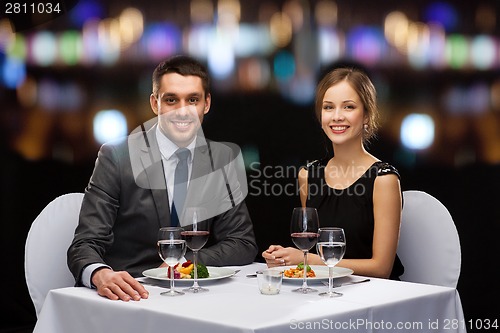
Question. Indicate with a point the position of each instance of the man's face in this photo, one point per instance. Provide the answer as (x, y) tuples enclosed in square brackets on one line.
[(180, 105)]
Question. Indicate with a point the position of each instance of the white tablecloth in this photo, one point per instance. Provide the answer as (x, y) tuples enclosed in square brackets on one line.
[(235, 305)]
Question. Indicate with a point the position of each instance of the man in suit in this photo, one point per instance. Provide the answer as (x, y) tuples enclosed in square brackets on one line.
[(131, 192)]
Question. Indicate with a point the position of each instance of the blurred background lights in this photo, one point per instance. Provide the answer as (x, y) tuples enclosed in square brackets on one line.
[(483, 52), (280, 27), (325, 13), (457, 51), (13, 72), (16, 48), (417, 131), (70, 47), (201, 11), (418, 44), (221, 60), (442, 13), (43, 48), (284, 66), (437, 46), (252, 41), (86, 10), (199, 38), (131, 22), (27, 93), (6, 34), (366, 44), (109, 41), (478, 98), (329, 45), (48, 94), (253, 74), (90, 37), (295, 11), (396, 30), (228, 12), (161, 40), (109, 125)]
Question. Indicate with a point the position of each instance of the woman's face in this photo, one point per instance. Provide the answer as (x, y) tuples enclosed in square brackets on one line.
[(342, 114)]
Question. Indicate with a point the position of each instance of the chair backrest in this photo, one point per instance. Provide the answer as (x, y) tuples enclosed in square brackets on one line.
[(46, 245), (429, 246)]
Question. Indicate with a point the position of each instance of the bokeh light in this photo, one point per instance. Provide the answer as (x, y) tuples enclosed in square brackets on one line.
[(417, 131), (43, 48), (326, 12), (366, 44), (254, 74), (221, 59), (161, 40), (442, 13), (109, 125), (109, 41), (17, 48), (13, 72), (280, 28), (483, 52), (457, 51), (330, 45), (71, 47), (86, 10), (201, 11), (284, 66), (131, 22)]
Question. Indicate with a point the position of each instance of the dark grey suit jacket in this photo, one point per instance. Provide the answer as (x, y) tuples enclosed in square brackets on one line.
[(126, 202)]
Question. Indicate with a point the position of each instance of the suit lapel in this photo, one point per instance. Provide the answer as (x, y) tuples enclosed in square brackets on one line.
[(153, 167)]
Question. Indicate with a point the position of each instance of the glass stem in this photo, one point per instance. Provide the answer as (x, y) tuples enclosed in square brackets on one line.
[(171, 279), (195, 262), (330, 280), (304, 281)]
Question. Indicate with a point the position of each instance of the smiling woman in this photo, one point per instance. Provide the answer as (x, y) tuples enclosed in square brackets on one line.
[(353, 190)]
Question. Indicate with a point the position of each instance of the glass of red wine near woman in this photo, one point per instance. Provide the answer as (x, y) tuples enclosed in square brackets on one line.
[(304, 232)]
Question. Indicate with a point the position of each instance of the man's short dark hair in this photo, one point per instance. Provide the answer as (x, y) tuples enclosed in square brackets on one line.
[(183, 65)]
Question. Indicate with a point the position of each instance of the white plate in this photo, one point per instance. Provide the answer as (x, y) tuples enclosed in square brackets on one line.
[(321, 273), (215, 273)]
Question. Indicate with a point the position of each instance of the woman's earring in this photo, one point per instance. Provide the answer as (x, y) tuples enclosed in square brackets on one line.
[(365, 126)]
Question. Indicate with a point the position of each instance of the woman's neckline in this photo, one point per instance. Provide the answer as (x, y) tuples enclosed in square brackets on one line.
[(354, 182)]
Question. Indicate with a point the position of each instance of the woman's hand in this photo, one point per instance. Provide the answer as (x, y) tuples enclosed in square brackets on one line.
[(277, 255)]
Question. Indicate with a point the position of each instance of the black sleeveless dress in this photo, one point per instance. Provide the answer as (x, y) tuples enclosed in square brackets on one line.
[(350, 208)]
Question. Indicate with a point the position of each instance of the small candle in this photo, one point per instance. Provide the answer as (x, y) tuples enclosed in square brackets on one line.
[(269, 290)]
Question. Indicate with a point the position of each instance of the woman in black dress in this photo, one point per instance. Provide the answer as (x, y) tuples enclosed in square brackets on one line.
[(353, 190)]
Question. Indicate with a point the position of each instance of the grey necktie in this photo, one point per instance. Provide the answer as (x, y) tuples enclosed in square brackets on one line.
[(180, 185)]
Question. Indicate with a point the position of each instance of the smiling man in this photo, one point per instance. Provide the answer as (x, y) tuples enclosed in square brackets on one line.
[(133, 190)]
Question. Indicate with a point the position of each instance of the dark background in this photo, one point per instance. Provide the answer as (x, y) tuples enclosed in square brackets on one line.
[(46, 153)]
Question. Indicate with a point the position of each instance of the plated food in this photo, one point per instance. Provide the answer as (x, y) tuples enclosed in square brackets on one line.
[(298, 272), (186, 271), (215, 273), (320, 273)]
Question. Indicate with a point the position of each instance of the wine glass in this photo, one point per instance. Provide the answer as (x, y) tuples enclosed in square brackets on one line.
[(171, 248), (304, 233), (196, 232), (331, 248)]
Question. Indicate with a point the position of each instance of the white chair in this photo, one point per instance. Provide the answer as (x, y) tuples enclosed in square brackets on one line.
[(45, 252), (429, 246)]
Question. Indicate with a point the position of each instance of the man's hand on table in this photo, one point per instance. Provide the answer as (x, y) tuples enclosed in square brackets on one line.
[(118, 285)]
